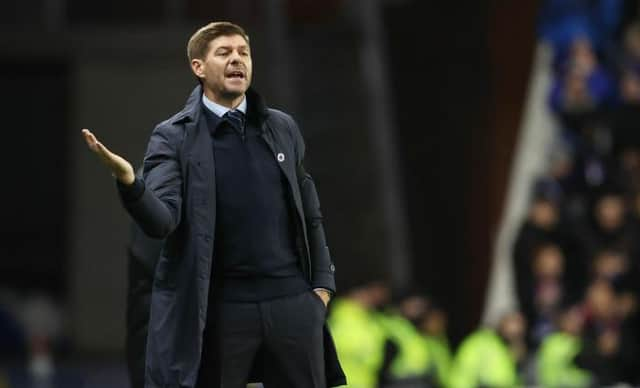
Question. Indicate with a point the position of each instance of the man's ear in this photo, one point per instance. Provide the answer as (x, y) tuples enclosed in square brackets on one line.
[(197, 66)]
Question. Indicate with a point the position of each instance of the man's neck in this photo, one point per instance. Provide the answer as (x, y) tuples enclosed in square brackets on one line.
[(230, 103)]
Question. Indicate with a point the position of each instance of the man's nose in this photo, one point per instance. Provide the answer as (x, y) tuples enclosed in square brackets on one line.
[(235, 57)]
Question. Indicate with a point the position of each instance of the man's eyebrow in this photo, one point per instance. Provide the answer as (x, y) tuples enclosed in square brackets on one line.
[(227, 47)]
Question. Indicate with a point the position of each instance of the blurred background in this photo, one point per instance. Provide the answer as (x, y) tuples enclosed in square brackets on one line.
[(478, 164)]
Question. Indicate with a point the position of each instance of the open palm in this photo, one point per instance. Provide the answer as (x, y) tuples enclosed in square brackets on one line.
[(119, 166)]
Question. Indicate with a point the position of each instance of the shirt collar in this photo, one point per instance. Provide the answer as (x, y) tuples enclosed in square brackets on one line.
[(220, 110)]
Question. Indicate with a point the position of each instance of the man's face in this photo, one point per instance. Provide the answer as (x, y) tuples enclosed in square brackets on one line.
[(227, 68), (610, 212), (513, 326)]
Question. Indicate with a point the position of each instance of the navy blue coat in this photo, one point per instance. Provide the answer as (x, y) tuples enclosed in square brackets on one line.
[(178, 204)]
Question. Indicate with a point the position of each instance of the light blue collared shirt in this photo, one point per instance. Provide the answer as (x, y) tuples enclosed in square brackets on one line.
[(220, 110)]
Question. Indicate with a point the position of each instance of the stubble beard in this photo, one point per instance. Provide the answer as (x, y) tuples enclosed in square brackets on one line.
[(223, 94), (231, 94)]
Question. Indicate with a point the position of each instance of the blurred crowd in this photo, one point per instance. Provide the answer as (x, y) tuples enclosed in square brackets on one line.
[(401, 341), (576, 256), (385, 342)]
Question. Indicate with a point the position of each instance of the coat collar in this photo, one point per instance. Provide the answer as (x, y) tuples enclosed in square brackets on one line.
[(256, 107)]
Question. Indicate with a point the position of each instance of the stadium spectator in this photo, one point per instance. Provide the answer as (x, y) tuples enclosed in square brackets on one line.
[(556, 367), (613, 267), (610, 345), (582, 87), (360, 339), (610, 228), (558, 185), (541, 226), (541, 290), (491, 357), (434, 328), (548, 290), (411, 365)]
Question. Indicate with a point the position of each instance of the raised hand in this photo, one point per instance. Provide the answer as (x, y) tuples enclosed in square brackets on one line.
[(119, 166)]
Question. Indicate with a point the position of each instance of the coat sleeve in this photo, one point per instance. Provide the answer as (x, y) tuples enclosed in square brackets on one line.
[(155, 199), (322, 268)]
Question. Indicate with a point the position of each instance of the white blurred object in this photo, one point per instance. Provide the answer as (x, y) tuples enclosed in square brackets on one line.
[(537, 136), (41, 370), (42, 320)]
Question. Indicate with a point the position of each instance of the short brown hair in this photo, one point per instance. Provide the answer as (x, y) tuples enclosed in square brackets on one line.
[(198, 45)]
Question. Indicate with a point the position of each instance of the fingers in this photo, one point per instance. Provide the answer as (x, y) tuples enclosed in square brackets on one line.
[(93, 143), (324, 295), (119, 166), (91, 140)]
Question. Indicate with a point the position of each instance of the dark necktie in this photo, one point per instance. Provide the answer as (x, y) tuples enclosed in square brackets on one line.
[(236, 119)]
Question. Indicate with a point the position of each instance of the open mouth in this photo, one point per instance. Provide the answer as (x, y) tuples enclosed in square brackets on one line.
[(236, 75)]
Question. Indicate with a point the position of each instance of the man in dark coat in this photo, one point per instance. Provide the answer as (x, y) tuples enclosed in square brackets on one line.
[(244, 275)]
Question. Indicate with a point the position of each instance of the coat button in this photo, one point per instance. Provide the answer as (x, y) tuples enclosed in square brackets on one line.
[(332, 268)]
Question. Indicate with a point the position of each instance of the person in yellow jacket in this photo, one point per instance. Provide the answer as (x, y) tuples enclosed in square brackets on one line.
[(555, 366), (357, 333), (434, 329), (489, 358), (411, 363)]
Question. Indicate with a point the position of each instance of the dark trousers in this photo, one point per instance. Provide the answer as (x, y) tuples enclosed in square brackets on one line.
[(280, 340)]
